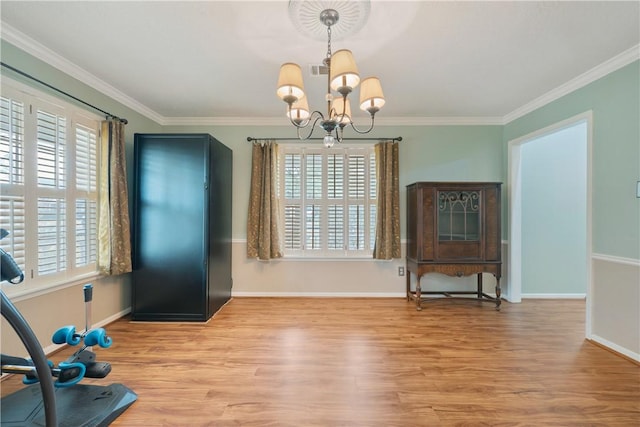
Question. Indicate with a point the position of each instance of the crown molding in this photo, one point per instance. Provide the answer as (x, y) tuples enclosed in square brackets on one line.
[(438, 121), (37, 50), (225, 121), (281, 121), (625, 58)]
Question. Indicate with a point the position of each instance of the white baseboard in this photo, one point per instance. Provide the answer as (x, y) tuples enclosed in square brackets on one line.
[(329, 295), (321, 294), (615, 347), (554, 296)]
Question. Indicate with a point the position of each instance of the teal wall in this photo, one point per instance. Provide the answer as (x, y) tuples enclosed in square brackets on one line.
[(437, 153), (615, 102), (554, 212), (43, 71)]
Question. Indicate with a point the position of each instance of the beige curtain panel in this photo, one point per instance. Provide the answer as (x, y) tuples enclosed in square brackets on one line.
[(387, 244), (263, 235), (114, 242)]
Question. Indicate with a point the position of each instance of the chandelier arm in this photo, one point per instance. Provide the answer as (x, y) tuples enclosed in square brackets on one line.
[(319, 116), (299, 124), (339, 132), (304, 123), (363, 131)]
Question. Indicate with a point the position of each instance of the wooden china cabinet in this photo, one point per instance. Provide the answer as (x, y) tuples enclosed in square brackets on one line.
[(453, 228)]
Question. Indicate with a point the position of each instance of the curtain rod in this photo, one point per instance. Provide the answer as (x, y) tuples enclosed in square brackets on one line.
[(398, 138), (22, 73)]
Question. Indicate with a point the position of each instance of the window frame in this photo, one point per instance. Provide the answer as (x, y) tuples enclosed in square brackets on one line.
[(369, 200), (76, 117)]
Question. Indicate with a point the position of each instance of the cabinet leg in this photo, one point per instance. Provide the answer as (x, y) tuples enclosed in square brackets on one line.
[(408, 284), (498, 292), (479, 285), (418, 292)]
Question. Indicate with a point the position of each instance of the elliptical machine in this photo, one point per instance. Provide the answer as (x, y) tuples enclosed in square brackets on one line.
[(64, 402)]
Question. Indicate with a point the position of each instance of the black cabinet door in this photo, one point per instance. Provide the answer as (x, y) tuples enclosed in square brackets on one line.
[(170, 228), (220, 189)]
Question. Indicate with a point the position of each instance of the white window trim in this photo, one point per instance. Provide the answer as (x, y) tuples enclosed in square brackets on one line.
[(326, 254), (75, 116)]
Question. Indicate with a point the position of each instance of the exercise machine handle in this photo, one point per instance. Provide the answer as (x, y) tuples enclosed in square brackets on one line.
[(88, 292), (88, 296)]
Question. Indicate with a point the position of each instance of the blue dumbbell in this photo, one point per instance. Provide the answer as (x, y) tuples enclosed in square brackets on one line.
[(97, 337), (66, 335)]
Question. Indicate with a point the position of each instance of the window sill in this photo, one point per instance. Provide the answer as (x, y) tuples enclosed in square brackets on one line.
[(22, 292), (328, 259)]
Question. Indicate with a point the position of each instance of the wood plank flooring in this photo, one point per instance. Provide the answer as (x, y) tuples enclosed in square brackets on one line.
[(371, 362)]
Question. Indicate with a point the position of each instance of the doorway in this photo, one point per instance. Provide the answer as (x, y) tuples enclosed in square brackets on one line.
[(549, 185)]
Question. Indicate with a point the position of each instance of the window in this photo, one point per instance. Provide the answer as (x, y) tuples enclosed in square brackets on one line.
[(328, 201), (48, 186)]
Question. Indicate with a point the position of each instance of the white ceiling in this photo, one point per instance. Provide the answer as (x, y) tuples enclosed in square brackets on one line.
[(180, 60)]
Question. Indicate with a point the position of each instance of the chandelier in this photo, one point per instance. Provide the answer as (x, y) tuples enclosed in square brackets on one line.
[(343, 78)]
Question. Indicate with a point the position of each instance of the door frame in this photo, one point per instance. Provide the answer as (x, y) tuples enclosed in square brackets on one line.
[(514, 190)]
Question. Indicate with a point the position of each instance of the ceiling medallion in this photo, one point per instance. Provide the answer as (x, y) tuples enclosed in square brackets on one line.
[(353, 16)]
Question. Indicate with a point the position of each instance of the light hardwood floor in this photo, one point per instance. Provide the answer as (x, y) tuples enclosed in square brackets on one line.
[(371, 362)]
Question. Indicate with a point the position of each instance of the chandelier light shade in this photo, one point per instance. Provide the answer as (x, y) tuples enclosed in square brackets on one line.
[(342, 77), (344, 74), (371, 96), (290, 86), (299, 111)]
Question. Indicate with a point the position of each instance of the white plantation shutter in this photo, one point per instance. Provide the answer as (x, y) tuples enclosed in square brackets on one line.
[(293, 227), (11, 141), (335, 176), (12, 200), (52, 135), (329, 200), (51, 178), (12, 218), (48, 186), (335, 227), (335, 201), (292, 191), (293, 176), (86, 159), (356, 202), (312, 218), (373, 183), (373, 202), (86, 232), (313, 178), (52, 235), (86, 213)]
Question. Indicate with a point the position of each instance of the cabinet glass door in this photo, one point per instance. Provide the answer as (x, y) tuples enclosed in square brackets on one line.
[(458, 215)]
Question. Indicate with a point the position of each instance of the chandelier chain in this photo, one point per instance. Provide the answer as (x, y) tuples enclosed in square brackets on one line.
[(328, 42)]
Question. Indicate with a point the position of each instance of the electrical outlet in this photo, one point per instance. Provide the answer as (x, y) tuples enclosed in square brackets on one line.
[(400, 271), (638, 190)]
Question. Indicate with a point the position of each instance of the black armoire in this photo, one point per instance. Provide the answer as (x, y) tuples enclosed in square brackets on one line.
[(181, 227)]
